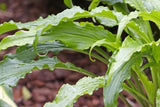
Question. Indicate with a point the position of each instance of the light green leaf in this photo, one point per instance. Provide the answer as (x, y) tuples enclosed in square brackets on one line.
[(152, 16), (6, 99), (18, 69), (152, 5), (124, 21), (94, 4), (68, 94), (105, 16), (119, 70), (158, 98), (68, 3), (18, 39), (5, 27)]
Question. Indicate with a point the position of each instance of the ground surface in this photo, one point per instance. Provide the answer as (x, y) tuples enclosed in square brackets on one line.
[(44, 84)]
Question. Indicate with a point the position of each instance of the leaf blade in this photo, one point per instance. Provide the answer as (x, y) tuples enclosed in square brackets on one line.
[(68, 94)]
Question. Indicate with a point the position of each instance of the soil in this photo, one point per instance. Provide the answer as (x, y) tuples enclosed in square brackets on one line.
[(44, 84)]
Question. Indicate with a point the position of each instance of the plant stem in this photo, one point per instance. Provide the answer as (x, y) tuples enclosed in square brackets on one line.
[(149, 31), (154, 76), (138, 96), (94, 55), (137, 82), (131, 84), (102, 52), (124, 100)]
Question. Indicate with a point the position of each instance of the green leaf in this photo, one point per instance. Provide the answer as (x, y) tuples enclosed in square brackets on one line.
[(144, 26), (94, 4), (18, 69), (26, 53), (50, 20), (151, 5), (144, 5), (77, 36), (138, 4), (68, 94), (134, 30), (68, 14), (119, 70), (111, 2), (18, 39), (3, 6), (105, 16), (68, 3), (148, 85), (124, 21), (152, 16), (5, 27), (155, 51), (158, 98), (6, 99), (120, 65), (121, 7)]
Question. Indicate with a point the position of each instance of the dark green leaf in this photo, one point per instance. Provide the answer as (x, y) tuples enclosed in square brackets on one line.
[(26, 53), (111, 2), (121, 7)]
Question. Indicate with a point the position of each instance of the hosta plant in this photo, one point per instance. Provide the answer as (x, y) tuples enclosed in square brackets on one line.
[(135, 50)]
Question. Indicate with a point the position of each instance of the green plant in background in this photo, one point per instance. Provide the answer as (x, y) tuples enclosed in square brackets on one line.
[(3, 6), (132, 54)]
